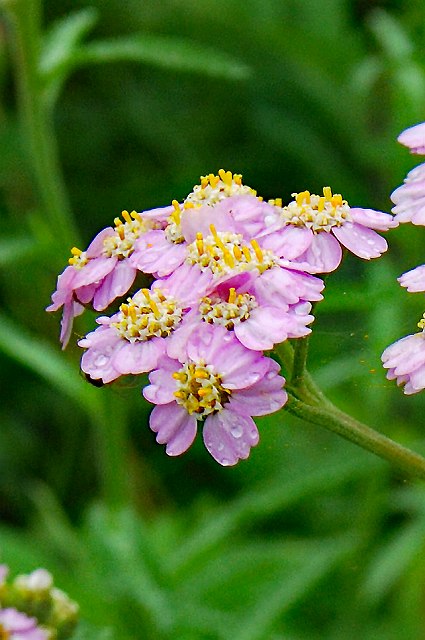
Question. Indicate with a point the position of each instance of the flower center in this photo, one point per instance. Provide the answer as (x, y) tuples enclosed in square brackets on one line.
[(200, 389), (318, 213), (121, 244), (147, 314), (229, 312), (79, 258), (213, 189), (223, 253)]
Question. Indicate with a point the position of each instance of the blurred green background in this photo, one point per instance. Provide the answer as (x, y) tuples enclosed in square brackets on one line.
[(310, 537)]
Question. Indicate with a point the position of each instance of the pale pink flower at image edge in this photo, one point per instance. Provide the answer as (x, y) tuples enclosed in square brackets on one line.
[(405, 361), (409, 198), (245, 384)]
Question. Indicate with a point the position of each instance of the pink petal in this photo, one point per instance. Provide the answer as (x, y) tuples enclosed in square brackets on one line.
[(280, 286), (94, 271), (414, 138), (289, 242), (155, 254), (373, 219), (240, 367), (229, 436), (251, 217), (264, 397), (139, 357), (413, 280), (174, 427), (199, 220), (323, 256), (71, 310), (361, 241), (97, 361), (265, 327), (187, 283), (115, 285), (162, 384), (95, 248)]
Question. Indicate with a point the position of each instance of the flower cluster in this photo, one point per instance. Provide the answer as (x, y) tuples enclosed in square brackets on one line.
[(230, 276), (405, 359), (31, 608)]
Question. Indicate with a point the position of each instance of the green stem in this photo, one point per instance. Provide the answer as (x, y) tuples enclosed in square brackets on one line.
[(337, 421), (36, 119), (109, 420), (300, 359)]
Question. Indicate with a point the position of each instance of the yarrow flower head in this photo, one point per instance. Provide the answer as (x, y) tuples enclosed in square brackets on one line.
[(220, 386), (132, 340), (228, 276), (314, 228), (103, 272)]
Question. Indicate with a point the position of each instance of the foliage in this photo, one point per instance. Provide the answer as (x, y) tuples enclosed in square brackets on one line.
[(309, 538)]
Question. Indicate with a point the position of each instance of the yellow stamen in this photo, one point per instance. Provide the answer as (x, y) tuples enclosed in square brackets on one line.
[(76, 251), (228, 258), (200, 373), (232, 295), (126, 216), (247, 254), (226, 177), (204, 391), (189, 205), (179, 394), (321, 204), (327, 192), (118, 222), (136, 216), (237, 252), (257, 250), (200, 243)]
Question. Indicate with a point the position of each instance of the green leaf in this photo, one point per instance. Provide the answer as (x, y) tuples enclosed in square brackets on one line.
[(40, 357), (58, 50), (12, 249), (164, 52), (61, 39)]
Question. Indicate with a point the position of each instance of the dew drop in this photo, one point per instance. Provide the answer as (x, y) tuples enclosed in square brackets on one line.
[(236, 430), (100, 360)]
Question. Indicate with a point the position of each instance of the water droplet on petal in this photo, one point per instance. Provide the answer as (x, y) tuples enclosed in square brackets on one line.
[(236, 430), (100, 360), (225, 462)]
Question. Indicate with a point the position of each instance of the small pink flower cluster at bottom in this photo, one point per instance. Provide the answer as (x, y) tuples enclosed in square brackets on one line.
[(231, 277), (15, 625)]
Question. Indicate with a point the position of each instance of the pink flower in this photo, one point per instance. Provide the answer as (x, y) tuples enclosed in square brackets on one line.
[(15, 625), (257, 321), (413, 280), (221, 384), (409, 198), (160, 252), (405, 361), (414, 138), (213, 259), (103, 272), (315, 227), (133, 340)]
